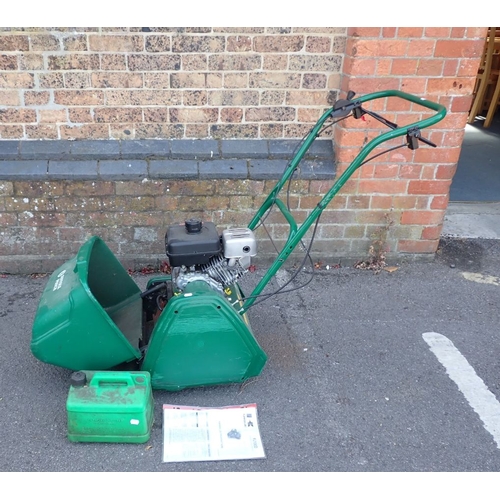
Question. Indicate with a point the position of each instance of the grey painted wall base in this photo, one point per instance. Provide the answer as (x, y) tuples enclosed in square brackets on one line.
[(161, 159)]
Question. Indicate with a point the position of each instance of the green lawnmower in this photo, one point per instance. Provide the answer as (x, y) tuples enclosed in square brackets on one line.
[(189, 328)]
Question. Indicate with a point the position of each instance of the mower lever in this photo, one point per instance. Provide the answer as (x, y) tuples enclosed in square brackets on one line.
[(426, 141), (378, 117), (413, 136)]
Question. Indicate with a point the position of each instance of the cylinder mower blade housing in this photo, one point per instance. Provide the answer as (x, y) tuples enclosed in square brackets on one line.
[(200, 340)]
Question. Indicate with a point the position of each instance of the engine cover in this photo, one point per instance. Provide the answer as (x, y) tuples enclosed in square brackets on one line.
[(192, 243)]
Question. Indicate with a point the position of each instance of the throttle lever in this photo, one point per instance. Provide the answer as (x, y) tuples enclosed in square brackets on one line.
[(413, 136), (430, 143)]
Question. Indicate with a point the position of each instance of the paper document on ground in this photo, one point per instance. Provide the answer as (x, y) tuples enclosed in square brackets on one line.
[(192, 434)]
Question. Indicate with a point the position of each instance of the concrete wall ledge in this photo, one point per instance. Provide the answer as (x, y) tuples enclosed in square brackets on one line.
[(161, 159)]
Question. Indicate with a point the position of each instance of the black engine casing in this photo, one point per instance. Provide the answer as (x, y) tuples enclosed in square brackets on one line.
[(187, 246)]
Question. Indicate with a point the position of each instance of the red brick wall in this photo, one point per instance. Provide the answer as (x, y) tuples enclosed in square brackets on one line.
[(410, 188)]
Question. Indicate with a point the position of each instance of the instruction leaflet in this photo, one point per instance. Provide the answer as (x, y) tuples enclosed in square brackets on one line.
[(193, 433)]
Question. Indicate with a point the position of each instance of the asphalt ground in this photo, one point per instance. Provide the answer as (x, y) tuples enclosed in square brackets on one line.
[(350, 383)]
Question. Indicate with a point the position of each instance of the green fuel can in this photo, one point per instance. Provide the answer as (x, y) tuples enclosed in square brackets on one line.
[(110, 407)]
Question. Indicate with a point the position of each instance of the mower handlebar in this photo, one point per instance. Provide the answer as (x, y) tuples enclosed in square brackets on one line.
[(407, 97), (345, 106), (341, 109)]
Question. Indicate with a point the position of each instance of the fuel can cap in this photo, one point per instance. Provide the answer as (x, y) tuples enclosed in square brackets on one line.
[(78, 379)]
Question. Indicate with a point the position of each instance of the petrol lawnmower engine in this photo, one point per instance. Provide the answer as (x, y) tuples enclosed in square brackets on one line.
[(196, 252)]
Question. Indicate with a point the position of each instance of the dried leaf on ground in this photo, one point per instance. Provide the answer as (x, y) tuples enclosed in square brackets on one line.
[(371, 265), (165, 267), (391, 269)]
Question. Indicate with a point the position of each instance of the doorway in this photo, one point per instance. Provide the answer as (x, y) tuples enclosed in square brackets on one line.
[(474, 208), (477, 178)]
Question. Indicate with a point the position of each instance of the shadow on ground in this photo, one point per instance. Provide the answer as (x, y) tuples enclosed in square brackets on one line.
[(472, 255)]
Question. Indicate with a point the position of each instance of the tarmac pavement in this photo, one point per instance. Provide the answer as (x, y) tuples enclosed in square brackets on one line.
[(350, 384)]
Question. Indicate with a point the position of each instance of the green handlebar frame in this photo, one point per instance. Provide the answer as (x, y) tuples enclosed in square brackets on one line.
[(296, 232)]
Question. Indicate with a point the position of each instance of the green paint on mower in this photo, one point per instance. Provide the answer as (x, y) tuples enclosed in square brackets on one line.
[(189, 329), (90, 313), (201, 340)]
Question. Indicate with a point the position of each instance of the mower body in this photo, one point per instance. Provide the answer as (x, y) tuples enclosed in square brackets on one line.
[(191, 328), (200, 340), (92, 316)]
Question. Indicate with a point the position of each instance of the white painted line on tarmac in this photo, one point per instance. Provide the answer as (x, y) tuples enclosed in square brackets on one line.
[(483, 401), (485, 279)]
